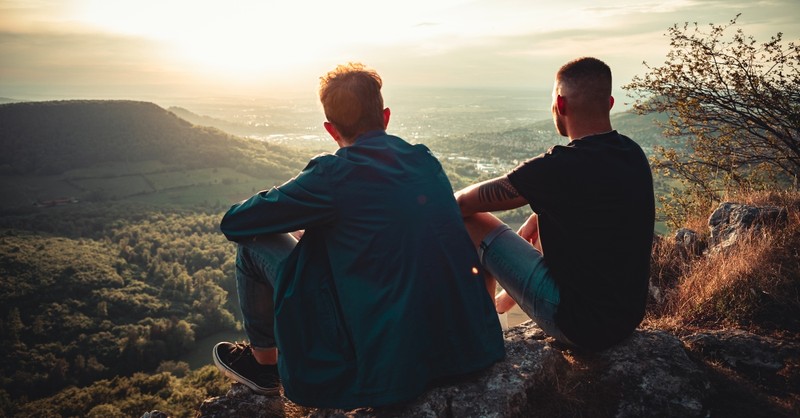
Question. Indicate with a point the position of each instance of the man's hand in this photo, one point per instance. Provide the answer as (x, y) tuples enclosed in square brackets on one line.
[(503, 302), (530, 230)]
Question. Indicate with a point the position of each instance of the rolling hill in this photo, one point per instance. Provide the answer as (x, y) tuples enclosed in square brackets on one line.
[(100, 150)]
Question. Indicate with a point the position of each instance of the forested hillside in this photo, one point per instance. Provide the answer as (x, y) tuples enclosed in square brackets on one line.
[(53, 137), (98, 151), (111, 260), (76, 310)]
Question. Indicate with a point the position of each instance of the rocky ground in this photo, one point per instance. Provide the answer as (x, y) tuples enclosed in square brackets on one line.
[(727, 373)]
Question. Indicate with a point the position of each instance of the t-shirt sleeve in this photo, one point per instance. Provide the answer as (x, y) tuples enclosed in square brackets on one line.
[(302, 202), (533, 179)]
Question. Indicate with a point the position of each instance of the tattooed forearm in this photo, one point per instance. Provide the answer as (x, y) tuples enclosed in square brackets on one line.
[(497, 191)]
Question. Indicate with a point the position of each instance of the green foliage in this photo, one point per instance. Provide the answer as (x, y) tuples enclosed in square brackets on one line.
[(735, 104), (140, 291), (131, 396)]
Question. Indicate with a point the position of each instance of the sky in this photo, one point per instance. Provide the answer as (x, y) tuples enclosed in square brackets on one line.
[(149, 49)]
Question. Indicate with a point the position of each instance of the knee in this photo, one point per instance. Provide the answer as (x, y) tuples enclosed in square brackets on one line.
[(479, 225)]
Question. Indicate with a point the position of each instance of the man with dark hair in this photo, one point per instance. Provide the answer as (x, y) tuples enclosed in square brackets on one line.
[(383, 294), (579, 266)]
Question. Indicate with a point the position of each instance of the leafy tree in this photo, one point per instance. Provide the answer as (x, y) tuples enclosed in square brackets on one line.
[(119, 300), (737, 104), (128, 396)]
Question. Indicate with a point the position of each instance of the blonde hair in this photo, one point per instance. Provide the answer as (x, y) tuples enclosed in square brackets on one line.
[(351, 98)]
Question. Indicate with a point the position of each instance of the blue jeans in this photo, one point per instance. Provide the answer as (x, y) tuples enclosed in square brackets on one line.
[(521, 271), (257, 263)]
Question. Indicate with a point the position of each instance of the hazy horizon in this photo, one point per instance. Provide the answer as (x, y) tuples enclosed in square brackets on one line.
[(153, 50)]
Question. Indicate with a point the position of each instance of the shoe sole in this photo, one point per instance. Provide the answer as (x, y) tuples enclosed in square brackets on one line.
[(241, 379)]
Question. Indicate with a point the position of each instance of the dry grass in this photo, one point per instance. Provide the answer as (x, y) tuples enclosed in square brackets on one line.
[(754, 283)]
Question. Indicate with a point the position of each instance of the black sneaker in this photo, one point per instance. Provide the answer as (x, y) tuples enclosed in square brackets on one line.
[(236, 361)]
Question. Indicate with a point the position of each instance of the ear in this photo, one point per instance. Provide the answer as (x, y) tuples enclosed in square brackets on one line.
[(332, 131), (561, 104), (610, 102), (386, 114)]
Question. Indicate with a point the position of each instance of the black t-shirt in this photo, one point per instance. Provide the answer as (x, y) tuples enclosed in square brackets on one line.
[(596, 209)]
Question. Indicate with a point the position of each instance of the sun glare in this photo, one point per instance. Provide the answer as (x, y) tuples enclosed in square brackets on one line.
[(237, 39), (250, 38), (248, 41)]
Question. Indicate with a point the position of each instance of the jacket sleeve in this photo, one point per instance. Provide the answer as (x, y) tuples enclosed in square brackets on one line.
[(302, 202)]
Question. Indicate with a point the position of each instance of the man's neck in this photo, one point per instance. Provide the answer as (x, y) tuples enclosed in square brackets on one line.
[(591, 134), (580, 132)]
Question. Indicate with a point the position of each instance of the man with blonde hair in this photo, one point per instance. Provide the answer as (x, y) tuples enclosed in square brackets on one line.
[(383, 294), (579, 266)]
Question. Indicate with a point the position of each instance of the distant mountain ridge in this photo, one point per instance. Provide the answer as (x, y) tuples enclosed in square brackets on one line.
[(52, 137), (235, 128)]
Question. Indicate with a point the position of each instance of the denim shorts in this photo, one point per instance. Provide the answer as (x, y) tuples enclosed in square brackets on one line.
[(520, 269)]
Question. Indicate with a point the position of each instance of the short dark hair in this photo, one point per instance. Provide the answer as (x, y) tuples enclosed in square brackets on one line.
[(589, 78), (351, 98)]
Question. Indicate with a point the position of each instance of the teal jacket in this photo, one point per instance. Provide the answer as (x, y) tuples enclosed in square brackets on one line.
[(383, 295)]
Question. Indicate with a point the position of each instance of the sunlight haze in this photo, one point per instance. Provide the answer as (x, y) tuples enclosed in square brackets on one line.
[(147, 49)]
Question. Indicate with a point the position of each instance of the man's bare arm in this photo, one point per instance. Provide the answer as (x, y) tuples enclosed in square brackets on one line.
[(489, 196), (498, 190)]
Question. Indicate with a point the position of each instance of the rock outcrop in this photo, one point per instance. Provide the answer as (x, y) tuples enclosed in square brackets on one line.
[(648, 374), (729, 220), (240, 401), (757, 376)]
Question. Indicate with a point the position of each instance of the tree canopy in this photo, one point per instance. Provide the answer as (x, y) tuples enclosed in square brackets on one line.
[(735, 101)]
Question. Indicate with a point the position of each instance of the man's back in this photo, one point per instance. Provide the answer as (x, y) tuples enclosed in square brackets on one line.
[(596, 212), (387, 267), (383, 294)]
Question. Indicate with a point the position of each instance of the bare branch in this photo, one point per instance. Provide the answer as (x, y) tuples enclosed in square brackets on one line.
[(736, 102)]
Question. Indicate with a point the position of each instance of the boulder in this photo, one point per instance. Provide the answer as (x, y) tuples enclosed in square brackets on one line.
[(649, 374), (730, 220), (689, 241)]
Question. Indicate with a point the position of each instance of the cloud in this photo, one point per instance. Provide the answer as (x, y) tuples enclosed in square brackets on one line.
[(39, 63), (54, 46)]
